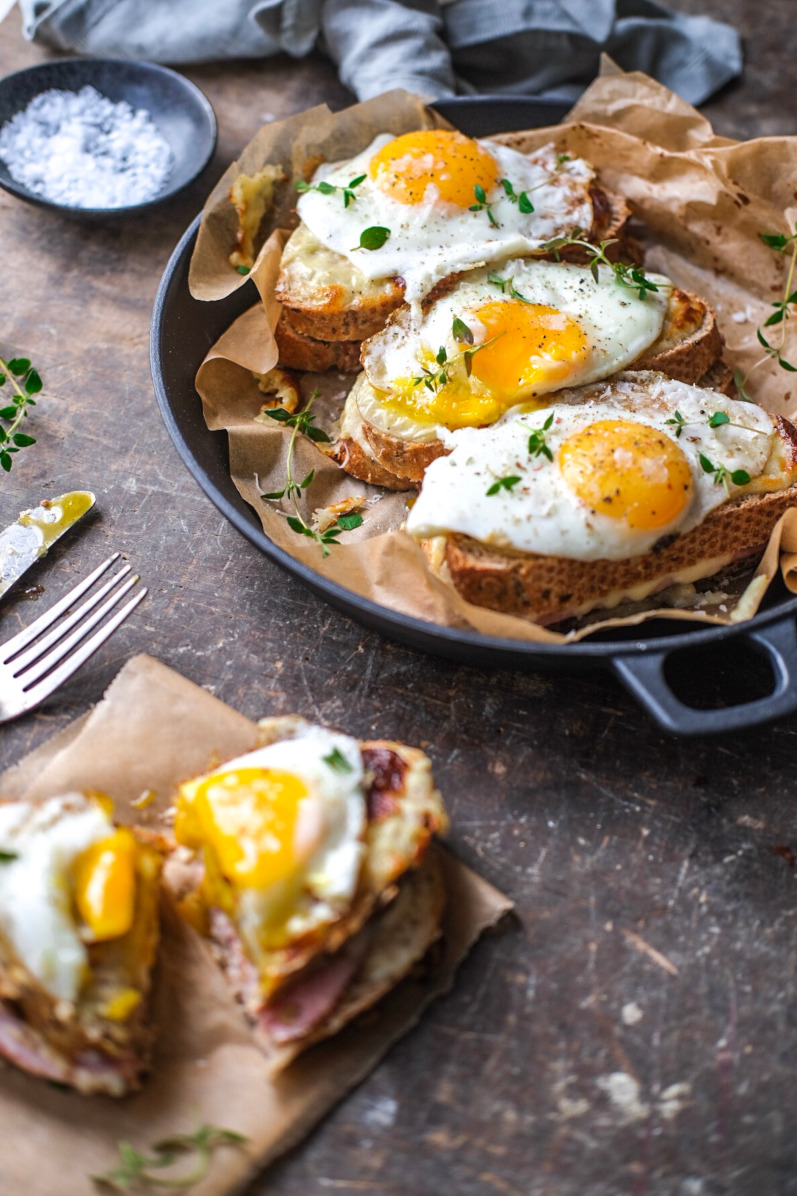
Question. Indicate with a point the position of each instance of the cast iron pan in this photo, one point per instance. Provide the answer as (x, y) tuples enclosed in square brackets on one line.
[(646, 658)]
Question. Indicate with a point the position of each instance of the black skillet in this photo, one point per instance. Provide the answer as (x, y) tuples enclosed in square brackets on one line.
[(646, 658)]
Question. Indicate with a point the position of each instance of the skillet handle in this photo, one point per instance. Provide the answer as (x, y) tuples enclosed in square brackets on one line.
[(643, 675)]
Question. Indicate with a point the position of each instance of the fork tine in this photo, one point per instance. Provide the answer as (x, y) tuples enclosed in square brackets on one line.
[(28, 676), (28, 634), (20, 660), (51, 682)]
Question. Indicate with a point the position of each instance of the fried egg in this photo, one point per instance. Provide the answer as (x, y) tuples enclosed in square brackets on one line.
[(281, 831), (602, 474), (501, 338), (448, 203), (67, 879)]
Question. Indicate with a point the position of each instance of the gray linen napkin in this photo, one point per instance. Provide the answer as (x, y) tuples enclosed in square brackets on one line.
[(428, 47)]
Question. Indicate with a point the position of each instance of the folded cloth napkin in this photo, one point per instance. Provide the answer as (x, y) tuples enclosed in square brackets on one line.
[(432, 47)]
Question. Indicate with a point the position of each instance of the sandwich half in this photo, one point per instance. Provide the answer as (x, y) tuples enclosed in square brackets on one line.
[(78, 939), (307, 865)]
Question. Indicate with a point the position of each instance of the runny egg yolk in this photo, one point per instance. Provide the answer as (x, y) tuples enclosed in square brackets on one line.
[(444, 159), (250, 818), (628, 471), (527, 345), (105, 885), (527, 349)]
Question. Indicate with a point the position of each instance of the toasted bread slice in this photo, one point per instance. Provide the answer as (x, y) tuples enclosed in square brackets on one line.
[(298, 351), (375, 444), (327, 298), (101, 1042)]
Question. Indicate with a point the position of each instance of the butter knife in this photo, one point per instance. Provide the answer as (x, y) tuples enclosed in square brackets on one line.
[(30, 536)]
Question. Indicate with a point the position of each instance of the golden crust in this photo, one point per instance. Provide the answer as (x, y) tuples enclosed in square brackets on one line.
[(690, 342)]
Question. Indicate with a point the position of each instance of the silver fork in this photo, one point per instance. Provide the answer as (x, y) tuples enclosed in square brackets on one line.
[(29, 662)]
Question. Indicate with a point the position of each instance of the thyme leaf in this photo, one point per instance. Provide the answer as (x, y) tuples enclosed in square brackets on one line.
[(373, 237), (337, 760), (505, 483), (482, 205)]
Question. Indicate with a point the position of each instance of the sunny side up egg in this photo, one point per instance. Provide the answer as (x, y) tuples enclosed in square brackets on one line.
[(67, 879), (281, 833), (501, 338), (596, 477), (447, 203)]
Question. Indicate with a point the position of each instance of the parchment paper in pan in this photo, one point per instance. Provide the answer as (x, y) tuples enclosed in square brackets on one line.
[(704, 200), (152, 729)]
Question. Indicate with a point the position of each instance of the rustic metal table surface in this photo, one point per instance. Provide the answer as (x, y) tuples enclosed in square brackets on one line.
[(634, 1029)]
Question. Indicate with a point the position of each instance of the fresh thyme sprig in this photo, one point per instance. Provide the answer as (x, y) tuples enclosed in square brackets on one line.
[(136, 1169), (739, 477), (519, 197), (781, 313), (537, 445), (25, 382), (505, 483), (482, 205), (503, 283), (329, 188), (633, 277), (716, 420), (434, 380), (304, 422)]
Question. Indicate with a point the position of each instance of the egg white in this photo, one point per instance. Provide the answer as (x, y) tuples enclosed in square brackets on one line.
[(618, 325), (541, 514), (36, 903), (431, 240), (328, 878)]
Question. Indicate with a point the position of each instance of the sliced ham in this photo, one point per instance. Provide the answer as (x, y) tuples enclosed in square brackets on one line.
[(298, 1006)]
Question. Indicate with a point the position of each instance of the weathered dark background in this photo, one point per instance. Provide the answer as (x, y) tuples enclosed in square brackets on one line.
[(634, 1030)]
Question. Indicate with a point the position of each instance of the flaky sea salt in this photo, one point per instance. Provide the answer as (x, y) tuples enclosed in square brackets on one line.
[(84, 150)]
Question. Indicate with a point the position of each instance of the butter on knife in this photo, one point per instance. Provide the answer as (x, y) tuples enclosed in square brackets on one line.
[(23, 542)]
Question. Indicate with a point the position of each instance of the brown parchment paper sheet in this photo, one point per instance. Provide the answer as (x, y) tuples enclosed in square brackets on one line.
[(704, 200), (152, 729)]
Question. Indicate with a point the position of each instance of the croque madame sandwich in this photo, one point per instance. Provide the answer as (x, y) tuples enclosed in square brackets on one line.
[(497, 337), (386, 227), (613, 492), (78, 939), (306, 863)]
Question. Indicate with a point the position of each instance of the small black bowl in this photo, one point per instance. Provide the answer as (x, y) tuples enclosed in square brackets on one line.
[(179, 110)]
